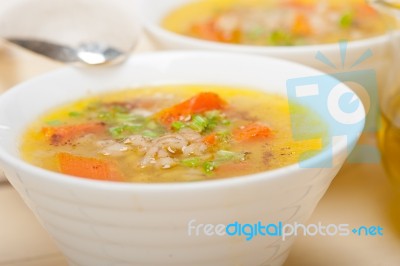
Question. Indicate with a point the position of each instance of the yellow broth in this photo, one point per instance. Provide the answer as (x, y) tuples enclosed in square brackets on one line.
[(276, 23), (227, 155)]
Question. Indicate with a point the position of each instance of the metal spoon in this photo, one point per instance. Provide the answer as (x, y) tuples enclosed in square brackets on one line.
[(90, 53)]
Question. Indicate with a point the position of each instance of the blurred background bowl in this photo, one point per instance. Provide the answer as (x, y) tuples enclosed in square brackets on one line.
[(153, 13)]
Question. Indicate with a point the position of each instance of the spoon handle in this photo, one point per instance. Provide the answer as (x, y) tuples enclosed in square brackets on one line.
[(52, 50)]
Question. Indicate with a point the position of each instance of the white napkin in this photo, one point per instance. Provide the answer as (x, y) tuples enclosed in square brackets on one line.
[(71, 22)]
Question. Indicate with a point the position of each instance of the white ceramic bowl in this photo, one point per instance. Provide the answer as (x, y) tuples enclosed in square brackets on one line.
[(104, 223), (153, 12)]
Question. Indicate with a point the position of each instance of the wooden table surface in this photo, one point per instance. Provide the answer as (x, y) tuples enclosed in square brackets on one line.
[(359, 195)]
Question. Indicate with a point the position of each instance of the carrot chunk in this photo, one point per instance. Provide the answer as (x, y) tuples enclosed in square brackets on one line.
[(301, 25), (210, 139), (251, 131), (365, 10), (207, 30), (63, 134), (88, 167), (203, 102)]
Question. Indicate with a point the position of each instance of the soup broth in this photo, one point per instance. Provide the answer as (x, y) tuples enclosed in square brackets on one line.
[(172, 134)]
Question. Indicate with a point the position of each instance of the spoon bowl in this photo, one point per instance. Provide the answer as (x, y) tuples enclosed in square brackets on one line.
[(90, 53)]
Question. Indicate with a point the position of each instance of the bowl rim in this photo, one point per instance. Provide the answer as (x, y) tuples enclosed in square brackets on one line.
[(18, 163), (194, 42), (151, 26)]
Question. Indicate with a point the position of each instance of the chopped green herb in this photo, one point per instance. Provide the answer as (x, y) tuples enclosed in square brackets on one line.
[(151, 124), (213, 123), (213, 114), (116, 132), (199, 123), (105, 116), (150, 133), (224, 136), (209, 167), (225, 122), (54, 123), (125, 129), (192, 162), (134, 126), (74, 114), (225, 156), (255, 32), (123, 118), (216, 118), (119, 109), (280, 37), (177, 125), (346, 20)]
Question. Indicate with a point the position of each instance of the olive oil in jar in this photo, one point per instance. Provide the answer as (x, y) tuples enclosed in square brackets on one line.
[(389, 142)]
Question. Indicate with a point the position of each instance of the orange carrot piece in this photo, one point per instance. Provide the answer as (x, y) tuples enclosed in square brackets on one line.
[(210, 139), (202, 102), (206, 30), (87, 167), (63, 134), (301, 25), (251, 131), (209, 31), (205, 101), (365, 10)]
